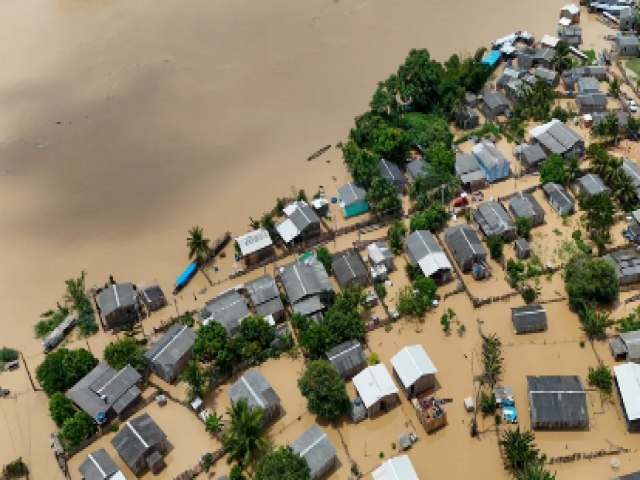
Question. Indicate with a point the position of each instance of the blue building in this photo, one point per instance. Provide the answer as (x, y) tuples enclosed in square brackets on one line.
[(491, 160), (492, 58), (352, 200)]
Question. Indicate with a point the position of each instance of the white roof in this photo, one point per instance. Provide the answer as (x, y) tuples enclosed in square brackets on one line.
[(571, 8), (507, 49), (628, 377), (549, 41), (118, 476), (396, 468), (564, 21), (374, 383), (411, 363), (287, 230), (433, 262), (254, 241)]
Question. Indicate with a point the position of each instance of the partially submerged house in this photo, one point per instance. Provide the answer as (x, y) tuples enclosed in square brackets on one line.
[(304, 282), (493, 104), (530, 156), (557, 402), (141, 444), (118, 305), (627, 381), (491, 160), (353, 200), (625, 346), (254, 388), (348, 358), (105, 393), (548, 75), (349, 269), (414, 369), (621, 115), (265, 298), (317, 450), (392, 172), (255, 246), (524, 204), (571, 35), (467, 118), (378, 254), (169, 355), (301, 223), (522, 248), (100, 466), (376, 389), (544, 56), (416, 168), (153, 298), (626, 264), (465, 246), (557, 137), (571, 12), (591, 102), (469, 172), (493, 219), (396, 468), (591, 184), (228, 309), (425, 251), (627, 46), (529, 319), (559, 199)]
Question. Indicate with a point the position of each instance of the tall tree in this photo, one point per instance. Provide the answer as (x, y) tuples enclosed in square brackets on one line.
[(242, 439), (198, 246), (519, 449), (282, 464), (324, 390), (198, 378), (598, 217), (562, 59), (553, 170), (418, 81), (395, 236), (63, 368), (123, 352), (60, 408), (383, 196)]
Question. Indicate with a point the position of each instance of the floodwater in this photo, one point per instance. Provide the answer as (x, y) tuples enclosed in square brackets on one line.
[(126, 123)]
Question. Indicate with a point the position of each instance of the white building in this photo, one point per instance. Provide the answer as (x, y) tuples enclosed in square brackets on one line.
[(376, 389), (415, 370), (396, 468)]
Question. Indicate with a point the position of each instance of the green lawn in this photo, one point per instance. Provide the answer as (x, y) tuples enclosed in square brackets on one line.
[(591, 55), (633, 64)]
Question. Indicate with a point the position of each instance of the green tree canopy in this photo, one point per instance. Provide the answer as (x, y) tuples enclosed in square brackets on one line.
[(256, 334), (519, 449), (324, 390), (383, 196), (395, 236), (553, 170), (427, 131), (324, 257), (433, 218), (598, 217), (198, 378), (282, 464), (77, 428), (242, 439), (63, 368), (123, 352), (362, 164), (210, 340), (590, 280), (601, 378), (496, 246), (60, 408), (524, 225)]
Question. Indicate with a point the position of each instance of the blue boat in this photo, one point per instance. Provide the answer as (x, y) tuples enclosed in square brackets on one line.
[(185, 276), (492, 58)]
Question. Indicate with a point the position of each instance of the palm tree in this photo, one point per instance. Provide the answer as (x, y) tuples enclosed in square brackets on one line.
[(614, 87), (572, 168), (198, 379), (561, 60), (268, 224), (625, 191), (214, 424), (243, 439), (519, 450), (198, 246), (535, 472)]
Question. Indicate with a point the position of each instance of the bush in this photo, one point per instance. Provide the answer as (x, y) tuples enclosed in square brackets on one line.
[(282, 463), (187, 319), (601, 378), (432, 218), (324, 257), (77, 429), (529, 294), (496, 246), (8, 355), (60, 408), (15, 469), (524, 225), (487, 403), (373, 359), (380, 289), (123, 352)]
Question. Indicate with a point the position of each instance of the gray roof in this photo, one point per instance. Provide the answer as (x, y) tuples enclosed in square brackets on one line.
[(627, 41), (348, 266), (172, 346), (546, 74), (631, 341), (98, 466), (464, 244), (494, 99), (559, 195), (466, 163), (592, 184), (493, 219), (264, 295), (152, 294), (530, 154), (304, 279), (556, 136), (346, 356), (544, 54), (391, 171), (626, 264), (308, 306), (116, 296), (489, 154), (522, 245), (103, 389), (420, 244), (379, 252), (228, 309), (590, 100), (415, 168), (557, 400), (530, 318), (588, 84), (316, 448), (629, 476), (303, 215), (508, 74), (255, 388), (632, 170), (623, 117), (524, 204), (136, 437), (470, 99), (351, 193)]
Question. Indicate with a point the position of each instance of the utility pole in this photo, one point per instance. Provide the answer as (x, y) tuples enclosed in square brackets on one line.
[(24, 362)]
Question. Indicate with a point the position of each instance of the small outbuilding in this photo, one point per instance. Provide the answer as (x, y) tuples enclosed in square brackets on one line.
[(317, 450), (557, 402), (379, 254), (253, 387), (349, 269), (491, 160), (530, 156), (228, 309), (591, 102), (465, 246), (100, 466), (627, 45), (523, 248), (469, 172), (353, 200), (153, 298), (396, 468), (265, 298), (118, 305), (425, 251), (571, 12), (414, 369), (627, 265), (255, 246), (588, 85), (416, 168), (168, 356), (141, 444), (627, 381), (633, 172), (559, 199), (494, 104), (625, 346), (493, 219), (376, 389), (529, 319), (466, 118), (523, 205), (556, 137), (304, 282), (592, 184), (392, 172), (348, 358), (571, 35), (548, 75)]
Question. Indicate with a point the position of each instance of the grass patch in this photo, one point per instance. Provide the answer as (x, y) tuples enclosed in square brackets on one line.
[(633, 64), (591, 55)]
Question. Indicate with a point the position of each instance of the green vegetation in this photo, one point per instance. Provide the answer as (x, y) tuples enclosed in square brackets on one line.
[(242, 439), (383, 196), (198, 246), (614, 87), (76, 297), (562, 58), (438, 182), (519, 450), (535, 472), (553, 170), (518, 271), (214, 424), (609, 129), (50, 320), (529, 293), (236, 473), (496, 246), (77, 429), (324, 390), (63, 368), (123, 352), (373, 359), (60, 408), (414, 300), (380, 289), (433, 218), (613, 175), (633, 64), (601, 378), (324, 257), (598, 218), (198, 378), (630, 323), (487, 403), (15, 469), (395, 236), (524, 226), (492, 360), (591, 56), (480, 132), (8, 355), (187, 319), (282, 464)]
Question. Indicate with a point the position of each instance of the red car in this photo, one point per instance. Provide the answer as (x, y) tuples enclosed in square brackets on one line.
[(461, 201)]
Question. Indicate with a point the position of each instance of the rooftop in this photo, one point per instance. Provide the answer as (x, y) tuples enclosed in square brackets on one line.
[(304, 278), (557, 400), (346, 356), (348, 266), (391, 171), (556, 136), (396, 468), (172, 346), (228, 309), (136, 437), (592, 184), (351, 193), (100, 466), (628, 379), (373, 384), (529, 318), (264, 295), (116, 296), (255, 389), (411, 363), (254, 241), (316, 448), (524, 204), (424, 249), (493, 219)]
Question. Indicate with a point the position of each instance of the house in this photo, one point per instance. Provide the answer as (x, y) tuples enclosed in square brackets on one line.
[(301, 223), (627, 19), (392, 172), (100, 466), (494, 104), (465, 246), (529, 319), (591, 184), (304, 282), (471, 99), (525, 58), (317, 450), (627, 381), (255, 246), (353, 200), (254, 388), (228, 309), (633, 172), (118, 305), (571, 35), (570, 77), (588, 85), (378, 254), (265, 298), (141, 444), (414, 369), (627, 46), (508, 74), (105, 393), (557, 137), (559, 199), (514, 88), (523, 204), (425, 251), (544, 57), (349, 269), (491, 160), (396, 468), (571, 12), (557, 402), (493, 219), (626, 346), (468, 170), (467, 118), (416, 168), (348, 358), (153, 298), (548, 75), (376, 389), (622, 116), (531, 156), (523, 248), (591, 102), (626, 264), (169, 355)]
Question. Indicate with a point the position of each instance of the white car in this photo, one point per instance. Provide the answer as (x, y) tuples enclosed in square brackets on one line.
[(632, 105)]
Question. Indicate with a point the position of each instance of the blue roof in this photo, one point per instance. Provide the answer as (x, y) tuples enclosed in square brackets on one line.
[(492, 58), (185, 276)]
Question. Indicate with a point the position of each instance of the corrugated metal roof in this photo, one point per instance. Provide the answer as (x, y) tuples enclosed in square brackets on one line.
[(592, 184), (412, 363), (628, 379), (255, 389), (136, 437), (346, 356), (390, 171), (373, 384), (303, 279), (316, 448), (98, 466), (396, 468), (351, 193), (529, 318), (228, 309), (557, 401), (172, 346), (116, 296), (348, 266), (425, 250), (254, 241), (493, 219)]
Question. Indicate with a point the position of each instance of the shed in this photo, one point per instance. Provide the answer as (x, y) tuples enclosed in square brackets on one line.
[(349, 269), (396, 468), (470, 99), (414, 369), (153, 297), (376, 389), (522, 247), (255, 246), (317, 450), (627, 265), (304, 282), (627, 381), (253, 387), (353, 200), (348, 358), (491, 160), (425, 251), (228, 309), (265, 297), (493, 219), (592, 184), (524, 204), (379, 254), (301, 223), (529, 319), (100, 466), (557, 137), (544, 56), (588, 85), (557, 402), (494, 104), (548, 75), (169, 355), (627, 45), (591, 102), (141, 444), (559, 199), (627, 18), (571, 35), (626, 346), (465, 246), (468, 170), (571, 12), (530, 156), (392, 172), (416, 168), (467, 118), (118, 305)]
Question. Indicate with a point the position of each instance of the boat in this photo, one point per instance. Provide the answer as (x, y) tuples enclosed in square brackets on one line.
[(219, 244), (185, 276)]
